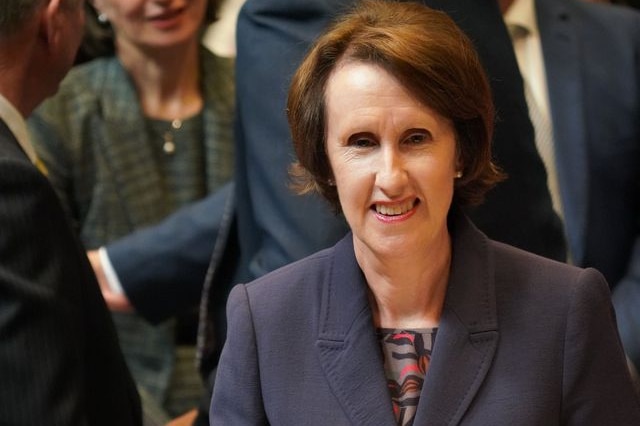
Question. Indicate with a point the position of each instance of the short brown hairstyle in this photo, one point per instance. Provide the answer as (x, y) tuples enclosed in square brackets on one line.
[(430, 56)]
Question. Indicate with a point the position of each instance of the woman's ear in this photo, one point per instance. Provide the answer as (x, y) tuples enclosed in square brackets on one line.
[(98, 6), (459, 167)]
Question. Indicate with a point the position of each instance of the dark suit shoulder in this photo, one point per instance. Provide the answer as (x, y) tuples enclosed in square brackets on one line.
[(533, 279), (605, 11), (311, 270), (604, 20), (292, 293)]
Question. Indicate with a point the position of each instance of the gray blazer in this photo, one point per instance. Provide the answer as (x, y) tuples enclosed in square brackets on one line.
[(522, 340)]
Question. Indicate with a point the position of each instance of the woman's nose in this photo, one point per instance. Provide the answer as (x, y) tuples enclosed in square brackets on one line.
[(391, 176)]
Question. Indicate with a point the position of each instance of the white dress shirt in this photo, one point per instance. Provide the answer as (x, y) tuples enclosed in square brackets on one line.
[(16, 123), (528, 48)]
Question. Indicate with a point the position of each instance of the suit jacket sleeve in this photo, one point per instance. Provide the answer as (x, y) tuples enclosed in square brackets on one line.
[(237, 396), (275, 225), (177, 250), (626, 299), (597, 387), (52, 368)]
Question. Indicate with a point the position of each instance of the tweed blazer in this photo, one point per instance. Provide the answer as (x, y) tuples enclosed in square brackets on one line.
[(522, 340), (60, 362), (104, 164), (94, 142)]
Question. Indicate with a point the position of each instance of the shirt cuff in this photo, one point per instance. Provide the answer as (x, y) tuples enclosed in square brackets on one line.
[(110, 274)]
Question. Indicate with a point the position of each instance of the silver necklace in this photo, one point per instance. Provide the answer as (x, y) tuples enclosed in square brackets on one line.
[(169, 145)]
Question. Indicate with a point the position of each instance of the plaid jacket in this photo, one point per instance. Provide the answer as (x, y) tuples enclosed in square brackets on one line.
[(94, 142), (99, 154)]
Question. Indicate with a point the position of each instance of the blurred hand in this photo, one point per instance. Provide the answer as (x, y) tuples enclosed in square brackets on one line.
[(186, 419), (115, 302)]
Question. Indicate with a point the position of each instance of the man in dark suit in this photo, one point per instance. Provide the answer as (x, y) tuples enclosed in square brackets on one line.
[(60, 362), (583, 60), (275, 226)]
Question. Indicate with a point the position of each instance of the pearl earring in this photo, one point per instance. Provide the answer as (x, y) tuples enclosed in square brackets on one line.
[(458, 174), (102, 18)]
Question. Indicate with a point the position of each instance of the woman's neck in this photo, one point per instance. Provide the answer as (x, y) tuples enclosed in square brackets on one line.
[(409, 293), (167, 80)]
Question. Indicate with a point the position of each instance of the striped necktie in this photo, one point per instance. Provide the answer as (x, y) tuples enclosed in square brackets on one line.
[(40, 166), (542, 126)]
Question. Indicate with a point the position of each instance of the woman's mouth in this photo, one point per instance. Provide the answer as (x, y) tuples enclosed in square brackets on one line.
[(166, 18), (395, 209)]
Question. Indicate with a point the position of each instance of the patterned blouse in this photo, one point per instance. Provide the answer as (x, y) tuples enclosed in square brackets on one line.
[(407, 354)]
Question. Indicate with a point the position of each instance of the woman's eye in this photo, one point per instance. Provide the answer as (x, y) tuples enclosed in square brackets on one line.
[(416, 138), (361, 142)]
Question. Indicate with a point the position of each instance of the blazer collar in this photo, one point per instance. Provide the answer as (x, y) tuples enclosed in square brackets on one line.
[(131, 161), (561, 52), (218, 89), (348, 348), (467, 336), (468, 332)]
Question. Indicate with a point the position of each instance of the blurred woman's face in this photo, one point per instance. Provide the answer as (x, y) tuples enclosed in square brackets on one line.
[(393, 159), (154, 23)]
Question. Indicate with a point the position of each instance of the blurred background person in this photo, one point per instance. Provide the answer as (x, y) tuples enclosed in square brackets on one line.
[(579, 62), (60, 361), (130, 137), (415, 316)]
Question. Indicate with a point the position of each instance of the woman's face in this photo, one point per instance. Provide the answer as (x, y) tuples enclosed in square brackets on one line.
[(154, 23), (393, 160)]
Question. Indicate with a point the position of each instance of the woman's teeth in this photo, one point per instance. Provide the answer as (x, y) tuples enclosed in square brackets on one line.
[(394, 210)]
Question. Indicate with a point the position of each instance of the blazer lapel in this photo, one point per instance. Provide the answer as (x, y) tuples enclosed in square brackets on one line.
[(347, 345), (468, 332), (464, 349), (130, 161), (561, 52), (218, 112)]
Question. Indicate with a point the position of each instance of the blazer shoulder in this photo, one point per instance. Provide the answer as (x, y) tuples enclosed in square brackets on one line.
[(311, 270), (218, 81), (516, 267), (289, 293), (79, 93), (84, 81), (619, 22)]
